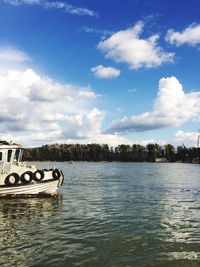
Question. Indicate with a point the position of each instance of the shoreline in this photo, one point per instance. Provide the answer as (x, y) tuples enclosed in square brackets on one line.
[(103, 161)]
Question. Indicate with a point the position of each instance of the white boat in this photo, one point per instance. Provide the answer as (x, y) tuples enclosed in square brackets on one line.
[(18, 179)]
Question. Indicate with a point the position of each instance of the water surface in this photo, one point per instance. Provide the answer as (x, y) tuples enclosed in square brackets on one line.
[(110, 214)]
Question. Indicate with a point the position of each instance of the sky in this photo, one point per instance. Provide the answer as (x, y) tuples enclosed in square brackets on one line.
[(89, 71)]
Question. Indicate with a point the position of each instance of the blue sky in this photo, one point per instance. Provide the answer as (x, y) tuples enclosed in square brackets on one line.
[(88, 71)]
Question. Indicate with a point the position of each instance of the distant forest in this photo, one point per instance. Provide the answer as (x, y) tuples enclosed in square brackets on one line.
[(124, 153)]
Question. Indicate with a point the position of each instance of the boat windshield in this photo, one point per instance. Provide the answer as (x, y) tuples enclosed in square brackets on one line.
[(9, 154), (17, 156)]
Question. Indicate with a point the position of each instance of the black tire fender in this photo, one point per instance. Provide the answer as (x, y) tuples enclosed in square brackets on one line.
[(62, 178), (56, 174), (38, 175), (26, 177), (8, 182)]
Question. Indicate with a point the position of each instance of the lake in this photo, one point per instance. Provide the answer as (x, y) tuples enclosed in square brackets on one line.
[(108, 215)]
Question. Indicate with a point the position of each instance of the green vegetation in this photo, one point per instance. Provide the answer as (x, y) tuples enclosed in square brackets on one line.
[(125, 153)]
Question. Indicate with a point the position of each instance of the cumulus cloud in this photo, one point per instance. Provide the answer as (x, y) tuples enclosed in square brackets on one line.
[(128, 46), (171, 108), (110, 139), (42, 109), (88, 125), (191, 36), (105, 72), (189, 139), (151, 141), (12, 58), (61, 5), (35, 109), (56, 136)]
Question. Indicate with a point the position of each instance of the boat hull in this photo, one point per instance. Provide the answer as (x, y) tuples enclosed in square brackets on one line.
[(42, 188)]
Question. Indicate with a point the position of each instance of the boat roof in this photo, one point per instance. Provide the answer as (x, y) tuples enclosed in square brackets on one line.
[(7, 145)]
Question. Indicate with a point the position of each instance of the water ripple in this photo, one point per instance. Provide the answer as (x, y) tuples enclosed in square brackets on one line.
[(110, 215)]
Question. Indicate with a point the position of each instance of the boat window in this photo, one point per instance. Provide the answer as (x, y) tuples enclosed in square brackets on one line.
[(17, 153), (9, 155), (1, 156)]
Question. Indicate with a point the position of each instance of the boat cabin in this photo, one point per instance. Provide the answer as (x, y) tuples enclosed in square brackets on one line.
[(9, 154)]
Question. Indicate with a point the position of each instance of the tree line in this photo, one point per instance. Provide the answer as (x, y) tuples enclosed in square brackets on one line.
[(124, 153)]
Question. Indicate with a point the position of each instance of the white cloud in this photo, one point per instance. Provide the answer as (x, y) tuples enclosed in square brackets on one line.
[(191, 36), (96, 31), (189, 139), (22, 2), (35, 109), (40, 109), (12, 58), (62, 5), (172, 107), (127, 46), (151, 141), (54, 126), (56, 136), (31, 2), (87, 93), (105, 72), (12, 54), (84, 126), (110, 139)]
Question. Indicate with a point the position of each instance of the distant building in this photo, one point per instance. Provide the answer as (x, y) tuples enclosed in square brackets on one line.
[(161, 160)]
